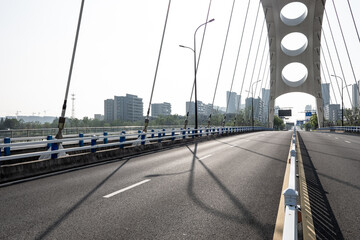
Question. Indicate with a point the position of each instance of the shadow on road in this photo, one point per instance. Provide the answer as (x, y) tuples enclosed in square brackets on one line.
[(325, 223), (244, 217), (63, 217)]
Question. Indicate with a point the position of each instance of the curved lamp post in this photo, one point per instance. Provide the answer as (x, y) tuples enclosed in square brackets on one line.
[(195, 71)]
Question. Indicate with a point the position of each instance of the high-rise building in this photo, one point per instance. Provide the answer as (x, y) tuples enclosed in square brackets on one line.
[(355, 95), (109, 110), (332, 113), (233, 100), (128, 108), (325, 90), (257, 103), (160, 109), (265, 99), (190, 106)]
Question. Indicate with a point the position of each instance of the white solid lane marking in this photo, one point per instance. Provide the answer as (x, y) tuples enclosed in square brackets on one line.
[(336, 138), (127, 188), (231, 146), (205, 157), (347, 141)]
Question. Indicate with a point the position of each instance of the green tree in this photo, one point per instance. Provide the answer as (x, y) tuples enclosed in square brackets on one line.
[(314, 121), (278, 123)]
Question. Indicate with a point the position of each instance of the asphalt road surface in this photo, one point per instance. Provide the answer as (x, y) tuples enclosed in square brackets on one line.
[(227, 188), (332, 166)]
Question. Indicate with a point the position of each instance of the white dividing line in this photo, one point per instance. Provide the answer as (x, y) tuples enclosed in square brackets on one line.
[(231, 146), (127, 188), (205, 157), (336, 138), (347, 142)]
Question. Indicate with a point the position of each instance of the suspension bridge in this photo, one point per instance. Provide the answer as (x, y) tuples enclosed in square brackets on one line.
[(201, 181)]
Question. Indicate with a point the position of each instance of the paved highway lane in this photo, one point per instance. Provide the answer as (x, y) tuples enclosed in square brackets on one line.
[(333, 165), (220, 189)]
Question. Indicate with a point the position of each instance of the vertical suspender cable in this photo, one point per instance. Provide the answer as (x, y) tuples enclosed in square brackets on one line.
[(236, 63), (323, 73), (222, 58), (352, 15), (156, 70), (257, 53), (261, 64), (62, 118), (266, 66), (197, 65), (247, 61), (331, 61), (338, 57), (347, 50)]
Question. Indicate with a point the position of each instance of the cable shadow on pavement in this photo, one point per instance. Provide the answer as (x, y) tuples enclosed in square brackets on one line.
[(325, 223), (64, 216), (246, 217)]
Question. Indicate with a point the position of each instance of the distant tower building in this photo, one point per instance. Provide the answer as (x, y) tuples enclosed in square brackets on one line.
[(128, 108), (233, 100), (355, 96), (258, 108), (325, 90), (109, 110), (332, 113), (266, 99), (160, 109), (190, 106)]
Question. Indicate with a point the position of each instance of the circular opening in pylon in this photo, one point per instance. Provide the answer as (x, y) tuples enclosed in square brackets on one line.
[(293, 13), (294, 74), (294, 44)]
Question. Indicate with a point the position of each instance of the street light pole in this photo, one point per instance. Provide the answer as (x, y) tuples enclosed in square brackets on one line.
[(195, 71)]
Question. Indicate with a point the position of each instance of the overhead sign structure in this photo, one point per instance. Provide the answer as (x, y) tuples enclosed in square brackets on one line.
[(285, 113)]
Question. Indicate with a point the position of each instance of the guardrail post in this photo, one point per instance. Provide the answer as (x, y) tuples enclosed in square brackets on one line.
[(159, 137), (105, 138), (207, 132), (183, 132), (49, 137), (193, 134), (81, 142), (54, 146), (93, 143), (152, 133), (7, 149), (143, 135), (164, 133), (200, 132), (188, 131), (173, 134), (122, 139)]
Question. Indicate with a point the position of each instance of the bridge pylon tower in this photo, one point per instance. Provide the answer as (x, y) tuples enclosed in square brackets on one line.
[(306, 25)]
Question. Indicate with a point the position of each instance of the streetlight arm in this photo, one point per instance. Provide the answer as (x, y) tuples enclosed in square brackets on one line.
[(186, 47)]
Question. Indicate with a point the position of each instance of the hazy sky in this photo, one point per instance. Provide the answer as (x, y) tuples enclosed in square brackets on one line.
[(118, 49)]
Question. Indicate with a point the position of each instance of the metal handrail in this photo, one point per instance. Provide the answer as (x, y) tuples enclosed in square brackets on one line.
[(290, 197), (140, 137)]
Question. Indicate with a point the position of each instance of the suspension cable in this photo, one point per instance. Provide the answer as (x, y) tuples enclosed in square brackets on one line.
[(338, 57), (352, 15), (347, 50), (222, 58), (265, 67), (252, 38), (61, 124), (257, 53), (197, 65), (323, 73), (331, 61), (261, 64), (236, 62), (156, 70), (328, 72)]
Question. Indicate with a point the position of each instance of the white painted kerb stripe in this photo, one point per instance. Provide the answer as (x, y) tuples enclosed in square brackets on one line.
[(347, 142), (127, 188)]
